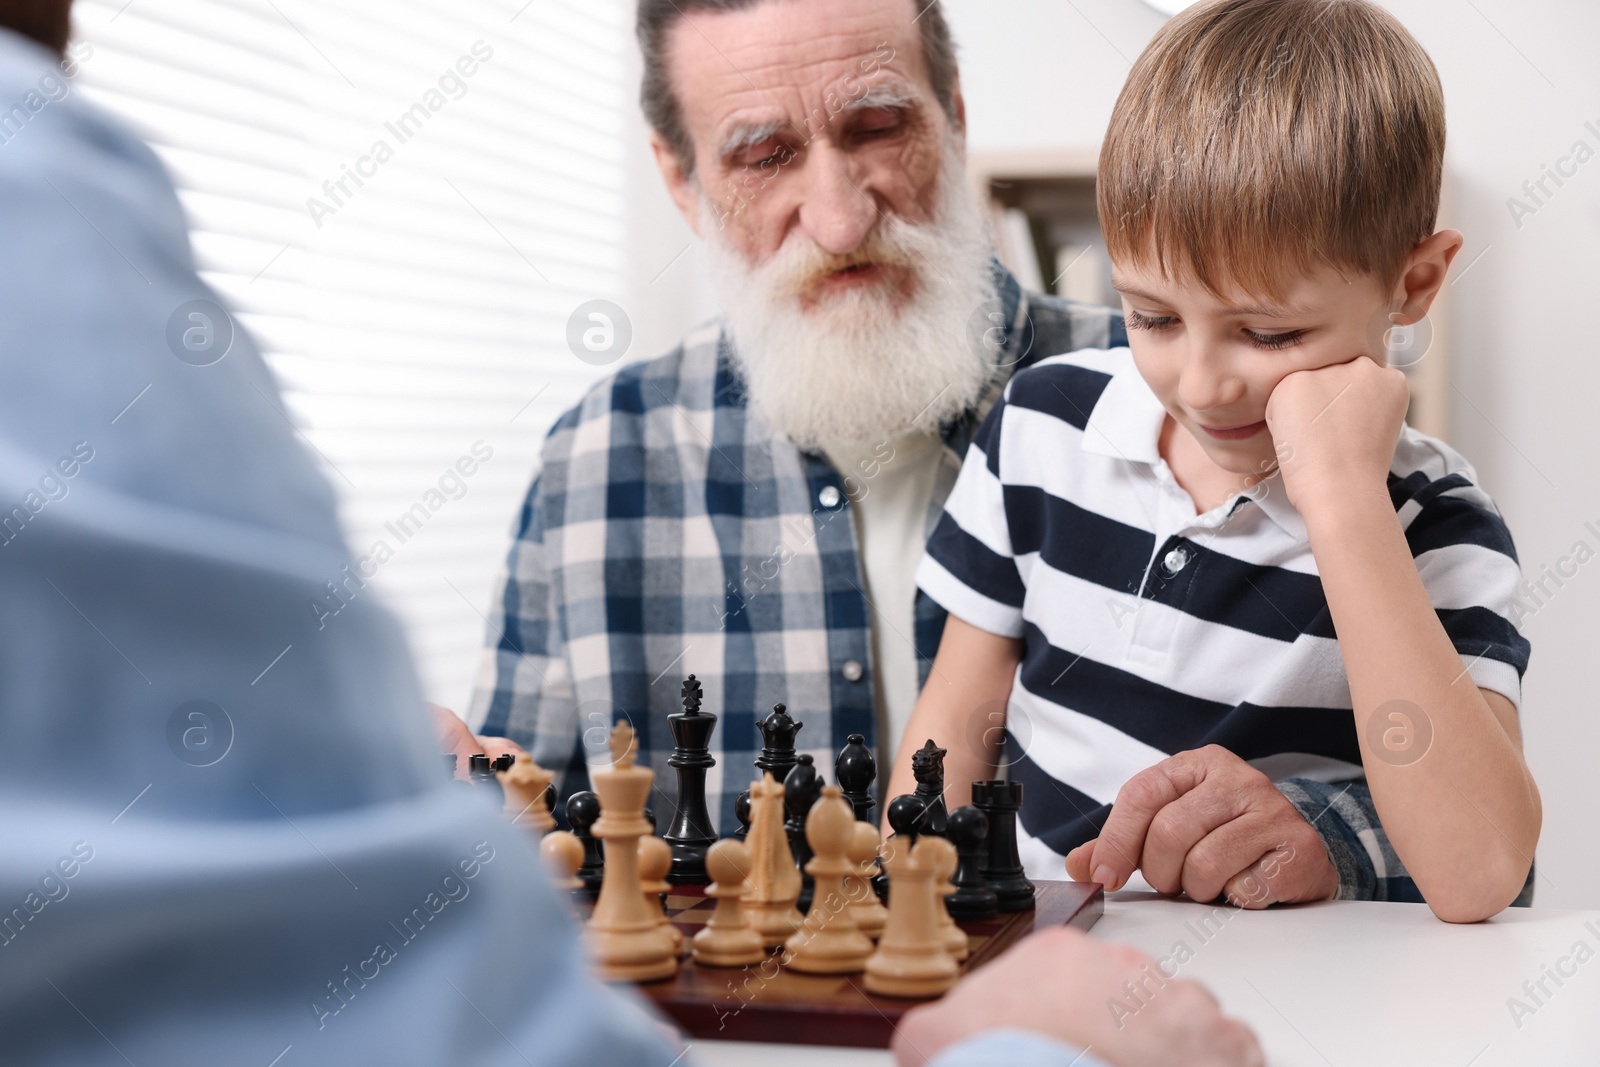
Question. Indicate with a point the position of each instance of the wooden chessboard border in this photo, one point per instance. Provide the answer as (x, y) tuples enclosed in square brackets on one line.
[(744, 1004)]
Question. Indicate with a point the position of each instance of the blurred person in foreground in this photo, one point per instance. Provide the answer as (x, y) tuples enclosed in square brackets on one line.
[(248, 853)]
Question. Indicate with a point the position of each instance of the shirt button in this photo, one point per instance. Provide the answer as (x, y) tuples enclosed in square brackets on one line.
[(1176, 560), (853, 670), (829, 497)]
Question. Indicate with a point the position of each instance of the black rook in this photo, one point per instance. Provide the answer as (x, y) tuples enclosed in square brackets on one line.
[(1002, 870)]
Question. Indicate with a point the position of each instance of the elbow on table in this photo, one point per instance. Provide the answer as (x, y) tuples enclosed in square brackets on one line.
[(1491, 888)]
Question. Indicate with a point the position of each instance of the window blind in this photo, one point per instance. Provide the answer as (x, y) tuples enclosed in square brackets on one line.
[(403, 202)]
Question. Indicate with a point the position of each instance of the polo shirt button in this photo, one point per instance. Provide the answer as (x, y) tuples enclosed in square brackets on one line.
[(829, 497), (853, 670), (1176, 560)]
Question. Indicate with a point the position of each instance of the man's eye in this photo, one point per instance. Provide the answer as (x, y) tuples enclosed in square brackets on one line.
[(872, 132), (765, 154), (1136, 321), (1275, 340)]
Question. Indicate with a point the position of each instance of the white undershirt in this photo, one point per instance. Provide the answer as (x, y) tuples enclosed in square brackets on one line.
[(898, 478)]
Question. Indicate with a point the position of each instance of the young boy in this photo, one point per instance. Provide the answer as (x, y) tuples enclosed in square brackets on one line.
[(1224, 534)]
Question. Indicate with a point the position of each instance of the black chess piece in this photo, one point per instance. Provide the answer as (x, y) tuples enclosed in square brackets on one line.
[(690, 833), (854, 771), (906, 818), (905, 814), (927, 766), (1002, 869), (776, 755), (582, 811), (968, 829), (504, 762), (480, 772), (801, 788), (550, 798)]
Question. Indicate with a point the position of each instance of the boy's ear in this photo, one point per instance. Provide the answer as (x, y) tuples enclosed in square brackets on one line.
[(1423, 275), (680, 185)]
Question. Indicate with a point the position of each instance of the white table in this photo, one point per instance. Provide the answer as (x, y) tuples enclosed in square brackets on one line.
[(1350, 984)]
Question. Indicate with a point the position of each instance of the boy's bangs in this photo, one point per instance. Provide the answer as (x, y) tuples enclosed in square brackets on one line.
[(1255, 138)]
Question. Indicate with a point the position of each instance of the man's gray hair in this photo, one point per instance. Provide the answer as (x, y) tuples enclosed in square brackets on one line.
[(656, 19)]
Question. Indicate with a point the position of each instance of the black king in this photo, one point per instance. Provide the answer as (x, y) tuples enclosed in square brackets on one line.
[(690, 833)]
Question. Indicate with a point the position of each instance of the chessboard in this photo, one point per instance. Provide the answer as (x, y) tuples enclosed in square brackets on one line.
[(765, 1002)]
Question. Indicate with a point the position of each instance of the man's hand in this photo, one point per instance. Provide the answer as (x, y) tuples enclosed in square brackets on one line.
[(455, 737), (1335, 429), (1061, 984), (1207, 823)]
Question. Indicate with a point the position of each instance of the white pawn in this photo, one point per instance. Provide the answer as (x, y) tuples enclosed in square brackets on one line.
[(955, 939), (655, 858), (865, 907), (562, 853), (828, 941), (727, 940), (911, 960)]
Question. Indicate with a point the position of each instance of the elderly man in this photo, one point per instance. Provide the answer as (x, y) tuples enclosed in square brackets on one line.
[(750, 507)]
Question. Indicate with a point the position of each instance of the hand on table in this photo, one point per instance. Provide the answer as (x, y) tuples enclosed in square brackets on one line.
[(1207, 823), (1057, 983), (455, 737)]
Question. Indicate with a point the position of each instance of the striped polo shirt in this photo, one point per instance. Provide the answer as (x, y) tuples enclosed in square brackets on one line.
[(1148, 629)]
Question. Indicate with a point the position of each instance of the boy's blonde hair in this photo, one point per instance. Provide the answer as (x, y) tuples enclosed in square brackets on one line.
[(1255, 137)]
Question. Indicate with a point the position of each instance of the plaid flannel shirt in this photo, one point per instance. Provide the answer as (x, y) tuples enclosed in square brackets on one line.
[(669, 532)]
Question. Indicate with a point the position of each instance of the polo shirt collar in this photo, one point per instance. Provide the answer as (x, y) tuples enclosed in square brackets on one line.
[(1272, 499), (1126, 420), (1125, 424)]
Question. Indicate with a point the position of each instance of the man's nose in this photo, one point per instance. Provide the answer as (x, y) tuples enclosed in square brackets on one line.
[(836, 212)]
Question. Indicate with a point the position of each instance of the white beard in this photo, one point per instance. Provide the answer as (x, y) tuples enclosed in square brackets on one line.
[(870, 363)]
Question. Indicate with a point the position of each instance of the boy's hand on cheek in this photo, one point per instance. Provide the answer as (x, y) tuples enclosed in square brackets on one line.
[(1335, 430)]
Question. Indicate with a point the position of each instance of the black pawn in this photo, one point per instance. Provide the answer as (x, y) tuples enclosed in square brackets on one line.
[(906, 814), (582, 810), (973, 899), (801, 788), (504, 762), (480, 772), (1002, 869), (690, 833), (550, 798), (855, 770), (927, 766), (906, 818), (776, 756), (741, 811)]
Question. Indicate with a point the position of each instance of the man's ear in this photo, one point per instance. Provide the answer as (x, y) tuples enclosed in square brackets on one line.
[(680, 185), (1425, 270)]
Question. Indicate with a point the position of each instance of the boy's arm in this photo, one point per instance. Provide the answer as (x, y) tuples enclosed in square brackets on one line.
[(971, 676), (1465, 816)]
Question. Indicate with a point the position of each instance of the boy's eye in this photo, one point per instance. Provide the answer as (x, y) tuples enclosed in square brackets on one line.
[(1137, 321), (1275, 340)]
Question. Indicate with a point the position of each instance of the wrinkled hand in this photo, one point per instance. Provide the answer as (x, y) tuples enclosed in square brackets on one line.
[(454, 737), (1335, 429), (1060, 983), (1207, 823)]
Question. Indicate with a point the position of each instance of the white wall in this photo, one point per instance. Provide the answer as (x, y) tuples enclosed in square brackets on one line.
[(1041, 74)]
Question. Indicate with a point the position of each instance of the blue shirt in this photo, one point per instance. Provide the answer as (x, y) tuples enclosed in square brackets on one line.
[(228, 837)]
